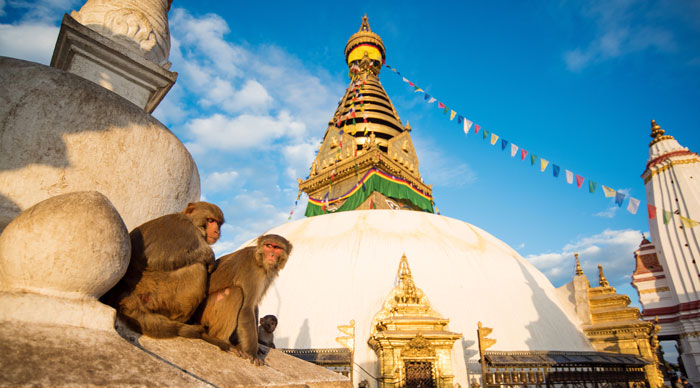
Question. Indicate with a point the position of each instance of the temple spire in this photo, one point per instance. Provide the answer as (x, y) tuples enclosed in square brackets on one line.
[(579, 271), (601, 277)]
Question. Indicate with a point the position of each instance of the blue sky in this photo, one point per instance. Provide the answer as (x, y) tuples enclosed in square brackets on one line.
[(576, 83)]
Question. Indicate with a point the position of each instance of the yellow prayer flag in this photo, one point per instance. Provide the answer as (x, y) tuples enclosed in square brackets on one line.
[(494, 138), (608, 191), (452, 114), (543, 164), (688, 223)]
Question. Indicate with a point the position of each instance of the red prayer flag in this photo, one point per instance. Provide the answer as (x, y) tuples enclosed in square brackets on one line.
[(411, 83), (441, 105), (523, 154), (477, 127), (651, 209), (579, 180)]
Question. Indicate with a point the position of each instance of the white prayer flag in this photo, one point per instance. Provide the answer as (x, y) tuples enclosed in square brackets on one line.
[(633, 205), (569, 177), (467, 126), (432, 100), (513, 150)]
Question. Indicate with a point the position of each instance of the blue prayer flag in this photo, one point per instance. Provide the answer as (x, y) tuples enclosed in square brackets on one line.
[(555, 170)]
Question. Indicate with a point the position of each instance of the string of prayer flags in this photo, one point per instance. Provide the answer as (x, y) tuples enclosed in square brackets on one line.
[(592, 186), (619, 197), (667, 216), (569, 177), (633, 205), (651, 210), (688, 223), (608, 192)]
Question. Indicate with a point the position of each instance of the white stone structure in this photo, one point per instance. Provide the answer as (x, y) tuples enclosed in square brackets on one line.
[(344, 265), (672, 180)]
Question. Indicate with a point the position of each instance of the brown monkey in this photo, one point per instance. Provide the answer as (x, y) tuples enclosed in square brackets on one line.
[(235, 289), (167, 276), (268, 324)]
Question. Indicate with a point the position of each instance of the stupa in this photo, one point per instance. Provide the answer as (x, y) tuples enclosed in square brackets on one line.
[(381, 289)]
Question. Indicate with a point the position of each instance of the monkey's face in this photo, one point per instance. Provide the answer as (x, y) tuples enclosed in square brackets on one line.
[(271, 254), (212, 230), (269, 325)]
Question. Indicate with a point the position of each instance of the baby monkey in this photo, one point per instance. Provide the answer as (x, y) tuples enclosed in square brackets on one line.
[(268, 324)]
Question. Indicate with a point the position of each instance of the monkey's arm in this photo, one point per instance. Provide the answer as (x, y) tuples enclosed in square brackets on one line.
[(226, 269)]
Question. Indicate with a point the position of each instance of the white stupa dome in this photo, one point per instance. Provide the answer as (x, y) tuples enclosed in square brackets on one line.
[(344, 265)]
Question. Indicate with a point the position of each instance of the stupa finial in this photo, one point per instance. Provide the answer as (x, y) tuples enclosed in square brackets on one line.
[(365, 24), (601, 277), (579, 271), (657, 133)]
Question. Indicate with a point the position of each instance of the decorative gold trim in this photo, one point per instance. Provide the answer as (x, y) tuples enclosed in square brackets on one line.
[(655, 290), (650, 173)]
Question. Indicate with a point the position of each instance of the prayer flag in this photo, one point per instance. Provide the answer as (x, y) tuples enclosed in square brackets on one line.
[(543, 164), (608, 191), (569, 177), (619, 197), (592, 186), (417, 90), (446, 109), (485, 134), (459, 119), (467, 125), (523, 154), (411, 83), (579, 180), (633, 205), (432, 100), (477, 127), (651, 210), (533, 158), (494, 138), (513, 150), (440, 105), (452, 114), (504, 143), (427, 96), (667, 216), (404, 79), (688, 223), (555, 170)]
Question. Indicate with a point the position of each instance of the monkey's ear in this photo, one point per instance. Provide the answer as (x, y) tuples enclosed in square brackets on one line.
[(190, 208)]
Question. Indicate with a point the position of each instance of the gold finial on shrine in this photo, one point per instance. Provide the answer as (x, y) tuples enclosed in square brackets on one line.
[(579, 271), (365, 44), (658, 134), (601, 277)]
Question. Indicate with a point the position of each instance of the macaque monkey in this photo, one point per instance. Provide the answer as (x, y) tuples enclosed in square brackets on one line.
[(167, 276), (268, 324), (235, 289)]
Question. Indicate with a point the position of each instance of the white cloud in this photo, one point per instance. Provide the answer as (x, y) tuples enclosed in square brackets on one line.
[(621, 30), (608, 213), (218, 181), (441, 169), (32, 41), (44, 11), (614, 249)]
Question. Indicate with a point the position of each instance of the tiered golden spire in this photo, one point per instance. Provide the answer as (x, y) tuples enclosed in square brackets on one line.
[(601, 277), (658, 134), (365, 131)]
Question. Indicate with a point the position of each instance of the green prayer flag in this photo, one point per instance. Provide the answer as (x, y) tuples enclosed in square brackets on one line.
[(667, 217), (592, 186), (533, 159), (485, 134)]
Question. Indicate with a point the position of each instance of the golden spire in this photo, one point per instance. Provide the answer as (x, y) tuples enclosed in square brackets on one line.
[(579, 271), (658, 134), (364, 51), (601, 277)]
